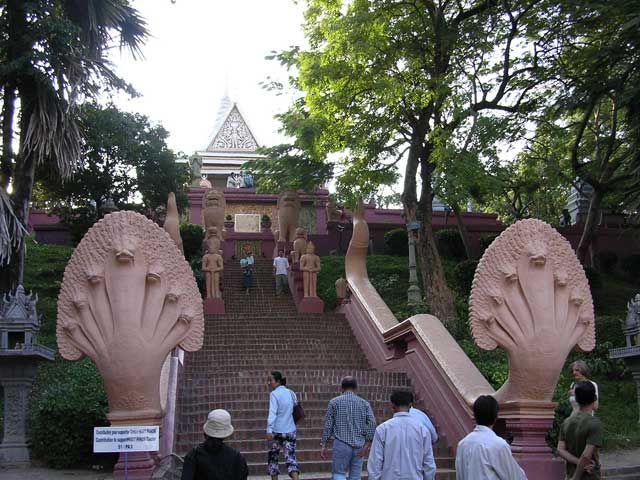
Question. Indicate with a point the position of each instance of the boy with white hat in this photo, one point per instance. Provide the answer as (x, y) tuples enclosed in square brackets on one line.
[(212, 459)]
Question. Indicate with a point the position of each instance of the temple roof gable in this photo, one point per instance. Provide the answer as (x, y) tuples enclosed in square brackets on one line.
[(231, 132)]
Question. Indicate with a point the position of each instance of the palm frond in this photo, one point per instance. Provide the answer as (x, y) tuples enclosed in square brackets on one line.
[(12, 231), (53, 132)]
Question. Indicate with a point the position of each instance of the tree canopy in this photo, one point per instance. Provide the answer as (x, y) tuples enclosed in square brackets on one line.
[(387, 80), (124, 164), (54, 54)]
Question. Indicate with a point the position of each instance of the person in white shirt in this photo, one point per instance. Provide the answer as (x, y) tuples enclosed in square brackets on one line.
[(281, 270), (483, 454), (401, 448), (424, 419)]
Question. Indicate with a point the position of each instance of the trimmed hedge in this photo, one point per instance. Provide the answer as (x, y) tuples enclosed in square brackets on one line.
[(593, 277), (450, 244), (606, 261), (396, 242), (631, 266), (463, 274), (485, 241), (192, 238), (67, 401)]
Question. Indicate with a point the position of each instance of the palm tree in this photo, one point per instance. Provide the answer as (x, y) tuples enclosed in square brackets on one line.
[(54, 55)]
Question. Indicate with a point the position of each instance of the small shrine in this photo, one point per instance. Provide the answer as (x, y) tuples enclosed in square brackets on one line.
[(19, 322), (631, 352), (20, 354)]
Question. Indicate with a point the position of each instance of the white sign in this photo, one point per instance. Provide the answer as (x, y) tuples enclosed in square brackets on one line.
[(126, 439), (247, 223)]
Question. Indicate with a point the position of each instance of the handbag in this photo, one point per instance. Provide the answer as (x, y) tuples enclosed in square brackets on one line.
[(298, 411)]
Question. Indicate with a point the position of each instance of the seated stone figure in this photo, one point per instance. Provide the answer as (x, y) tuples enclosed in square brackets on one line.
[(310, 266)]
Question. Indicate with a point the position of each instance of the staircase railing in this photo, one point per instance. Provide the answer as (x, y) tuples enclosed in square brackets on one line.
[(444, 378)]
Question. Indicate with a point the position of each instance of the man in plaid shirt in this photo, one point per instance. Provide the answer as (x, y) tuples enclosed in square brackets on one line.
[(351, 423)]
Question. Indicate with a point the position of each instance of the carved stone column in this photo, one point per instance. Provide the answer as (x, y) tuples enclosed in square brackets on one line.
[(13, 449)]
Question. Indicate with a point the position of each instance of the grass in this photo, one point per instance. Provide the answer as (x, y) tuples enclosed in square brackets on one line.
[(43, 272)]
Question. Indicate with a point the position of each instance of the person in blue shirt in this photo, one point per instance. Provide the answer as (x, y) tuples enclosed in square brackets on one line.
[(281, 429)]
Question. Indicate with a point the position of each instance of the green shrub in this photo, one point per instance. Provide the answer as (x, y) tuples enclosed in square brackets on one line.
[(192, 238), (631, 266), (463, 276), (593, 277), (485, 241), (606, 261), (396, 242), (66, 402), (450, 244)]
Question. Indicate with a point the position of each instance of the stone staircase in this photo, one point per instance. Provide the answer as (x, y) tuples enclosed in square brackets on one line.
[(259, 333)]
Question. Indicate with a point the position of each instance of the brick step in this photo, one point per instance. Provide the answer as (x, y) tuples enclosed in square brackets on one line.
[(312, 357), (220, 332), (306, 456), (308, 443), (262, 405), (339, 341), (274, 362), (315, 419), (441, 474), (262, 359), (269, 365), (316, 391), (260, 445), (260, 467), (329, 316), (367, 376)]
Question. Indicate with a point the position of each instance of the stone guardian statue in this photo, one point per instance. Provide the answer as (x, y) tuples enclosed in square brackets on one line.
[(310, 266), (288, 210), (213, 206), (299, 245), (212, 265)]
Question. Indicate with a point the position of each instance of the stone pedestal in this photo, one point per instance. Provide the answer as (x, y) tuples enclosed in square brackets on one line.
[(13, 449), (17, 371), (311, 305), (140, 466), (213, 306), (529, 423), (631, 357)]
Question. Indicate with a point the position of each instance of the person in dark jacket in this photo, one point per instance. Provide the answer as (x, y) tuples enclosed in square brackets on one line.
[(212, 459)]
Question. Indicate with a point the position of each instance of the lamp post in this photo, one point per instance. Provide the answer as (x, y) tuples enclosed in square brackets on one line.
[(413, 293)]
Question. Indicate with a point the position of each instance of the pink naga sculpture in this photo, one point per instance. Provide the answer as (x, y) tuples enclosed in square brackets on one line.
[(530, 297), (127, 299)]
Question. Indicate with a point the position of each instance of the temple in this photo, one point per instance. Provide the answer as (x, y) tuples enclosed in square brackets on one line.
[(230, 145)]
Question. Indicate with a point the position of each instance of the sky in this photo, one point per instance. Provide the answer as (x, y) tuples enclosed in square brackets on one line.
[(200, 48)]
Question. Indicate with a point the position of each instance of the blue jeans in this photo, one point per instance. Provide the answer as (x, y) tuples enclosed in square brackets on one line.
[(345, 457)]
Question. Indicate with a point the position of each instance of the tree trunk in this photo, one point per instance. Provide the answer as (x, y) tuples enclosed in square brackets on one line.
[(8, 114), (12, 274), (18, 48), (462, 229), (437, 293), (588, 231)]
